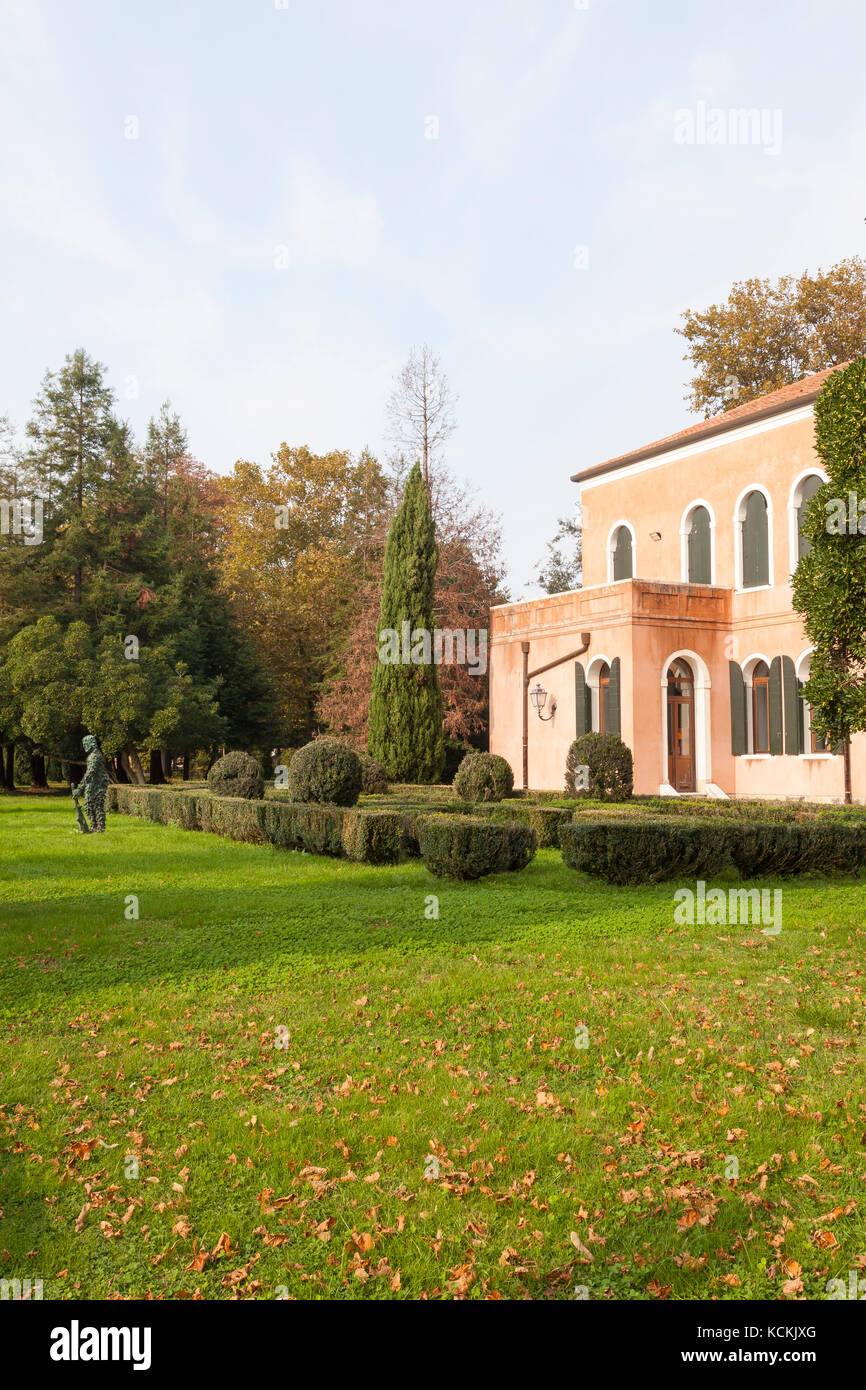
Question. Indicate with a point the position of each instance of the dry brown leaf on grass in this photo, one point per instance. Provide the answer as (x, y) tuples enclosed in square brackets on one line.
[(586, 1256), (82, 1217)]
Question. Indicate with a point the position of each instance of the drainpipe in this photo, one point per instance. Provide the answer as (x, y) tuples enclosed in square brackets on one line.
[(529, 676)]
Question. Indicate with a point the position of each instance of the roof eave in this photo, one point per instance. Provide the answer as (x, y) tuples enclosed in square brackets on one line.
[(670, 445)]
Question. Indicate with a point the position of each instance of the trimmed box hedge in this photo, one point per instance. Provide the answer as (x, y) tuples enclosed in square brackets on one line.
[(626, 851), (467, 848), (370, 837), (629, 851)]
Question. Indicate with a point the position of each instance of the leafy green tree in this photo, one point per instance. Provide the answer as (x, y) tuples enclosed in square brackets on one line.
[(829, 583), (129, 550), (562, 567), (405, 732), (769, 334)]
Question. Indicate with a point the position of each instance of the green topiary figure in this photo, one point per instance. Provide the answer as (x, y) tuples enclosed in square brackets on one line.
[(325, 772), (405, 702), (237, 774), (94, 785)]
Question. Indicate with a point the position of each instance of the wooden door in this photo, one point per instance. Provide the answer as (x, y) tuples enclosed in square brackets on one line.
[(681, 727)]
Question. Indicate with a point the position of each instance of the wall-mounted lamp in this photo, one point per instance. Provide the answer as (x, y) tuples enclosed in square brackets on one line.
[(538, 696), (655, 535)]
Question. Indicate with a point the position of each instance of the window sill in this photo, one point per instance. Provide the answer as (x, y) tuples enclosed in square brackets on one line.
[(818, 757), (756, 757), (755, 589)]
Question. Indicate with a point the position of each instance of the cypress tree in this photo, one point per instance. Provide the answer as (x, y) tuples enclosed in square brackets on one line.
[(405, 701)]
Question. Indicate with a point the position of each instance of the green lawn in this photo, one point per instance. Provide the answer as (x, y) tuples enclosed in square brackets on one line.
[(412, 1043)]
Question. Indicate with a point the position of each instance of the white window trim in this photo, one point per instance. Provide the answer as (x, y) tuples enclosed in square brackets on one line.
[(738, 539), (684, 539), (793, 507), (593, 675), (610, 539)]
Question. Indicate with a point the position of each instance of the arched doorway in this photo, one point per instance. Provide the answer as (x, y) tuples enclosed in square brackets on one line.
[(681, 725)]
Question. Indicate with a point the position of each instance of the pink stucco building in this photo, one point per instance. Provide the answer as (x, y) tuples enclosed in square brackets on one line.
[(695, 654)]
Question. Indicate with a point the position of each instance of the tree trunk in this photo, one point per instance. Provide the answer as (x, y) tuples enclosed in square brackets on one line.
[(37, 771), (155, 773), (846, 750), (166, 764), (132, 766), (119, 770), (4, 784), (186, 767)]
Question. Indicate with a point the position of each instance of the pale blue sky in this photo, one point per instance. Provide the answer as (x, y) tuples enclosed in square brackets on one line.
[(304, 127)]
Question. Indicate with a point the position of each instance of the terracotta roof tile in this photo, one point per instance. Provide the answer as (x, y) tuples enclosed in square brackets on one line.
[(773, 403)]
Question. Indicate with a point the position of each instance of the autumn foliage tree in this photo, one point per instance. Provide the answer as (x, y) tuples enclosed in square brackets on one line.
[(769, 334), (298, 542)]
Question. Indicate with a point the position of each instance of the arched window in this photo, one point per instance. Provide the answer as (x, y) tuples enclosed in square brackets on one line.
[(761, 708), (604, 699), (754, 541), (804, 494), (699, 547), (623, 559)]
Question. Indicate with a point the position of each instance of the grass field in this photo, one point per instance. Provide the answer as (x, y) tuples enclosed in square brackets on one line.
[(287, 1076)]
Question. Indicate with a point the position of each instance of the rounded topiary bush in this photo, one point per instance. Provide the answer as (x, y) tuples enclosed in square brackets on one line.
[(374, 778), (483, 777), (236, 774), (609, 774), (325, 772)]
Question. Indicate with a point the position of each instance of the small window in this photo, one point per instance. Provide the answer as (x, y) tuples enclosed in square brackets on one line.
[(755, 541), (805, 492), (761, 708), (700, 561), (622, 554)]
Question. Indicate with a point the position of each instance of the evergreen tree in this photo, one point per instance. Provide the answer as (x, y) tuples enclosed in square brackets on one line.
[(829, 583), (406, 702)]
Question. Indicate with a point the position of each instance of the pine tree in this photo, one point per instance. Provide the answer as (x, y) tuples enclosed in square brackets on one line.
[(406, 702)]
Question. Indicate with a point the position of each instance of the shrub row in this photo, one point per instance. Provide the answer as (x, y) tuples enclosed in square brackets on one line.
[(372, 837), (626, 851)]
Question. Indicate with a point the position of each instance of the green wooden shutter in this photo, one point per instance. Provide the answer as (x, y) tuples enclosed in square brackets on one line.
[(793, 709), (808, 488), (700, 566), (623, 560), (775, 691), (580, 693), (756, 542), (738, 708), (614, 696)]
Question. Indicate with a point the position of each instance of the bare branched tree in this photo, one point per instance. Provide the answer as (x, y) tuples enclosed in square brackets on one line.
[(421, 408)]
